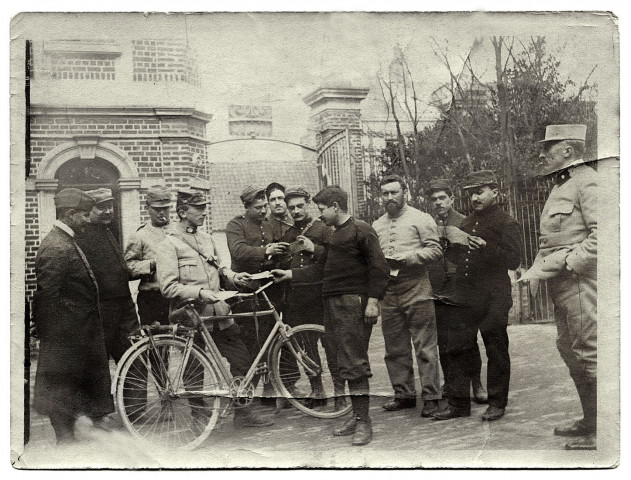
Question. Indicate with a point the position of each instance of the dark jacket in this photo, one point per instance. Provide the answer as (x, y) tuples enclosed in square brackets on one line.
[(107, 261), (247, 241), (442, 271), (73, 368), (316, 231), (353, 263), (484, 272)]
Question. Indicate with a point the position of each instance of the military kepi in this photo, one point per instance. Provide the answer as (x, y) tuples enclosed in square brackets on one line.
[(438, 185), (158, 196), (249, 194), (556, 133), (101, 195), (192, 197), (74, 198), (480, 178)]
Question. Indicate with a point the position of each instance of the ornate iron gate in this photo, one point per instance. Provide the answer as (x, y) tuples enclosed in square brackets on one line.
[(334, 165)]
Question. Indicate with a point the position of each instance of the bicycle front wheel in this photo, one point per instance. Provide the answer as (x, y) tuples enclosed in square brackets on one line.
[(301, 372), (168, 394)]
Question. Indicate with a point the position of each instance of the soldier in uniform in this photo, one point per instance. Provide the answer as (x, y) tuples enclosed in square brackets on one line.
[(279, 217), (254, 250), (441, 276), (568, 257), (73, 376), (482, 295), (140, 256), (308, 238), (409, 240), (118, 311), (188, 267)]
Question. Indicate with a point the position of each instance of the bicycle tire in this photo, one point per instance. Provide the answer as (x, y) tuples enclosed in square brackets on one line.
[(152, 407), (291, 380)]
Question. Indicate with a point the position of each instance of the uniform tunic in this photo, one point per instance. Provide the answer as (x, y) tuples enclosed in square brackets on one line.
[(247, 242), (569, 222), (73, 375), (407, 310), (482, 289), (140, 255)]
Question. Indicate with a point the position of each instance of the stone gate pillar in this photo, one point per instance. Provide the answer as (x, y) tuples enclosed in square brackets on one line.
[(334, 109)]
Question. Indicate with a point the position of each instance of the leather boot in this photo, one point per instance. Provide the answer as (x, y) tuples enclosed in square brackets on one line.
[(245, 417), (452, 412), (363, 432), (430, 407), (347, 428)]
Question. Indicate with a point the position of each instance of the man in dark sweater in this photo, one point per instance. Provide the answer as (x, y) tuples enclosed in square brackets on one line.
[(354, 275), (105, 256), (481, 295)]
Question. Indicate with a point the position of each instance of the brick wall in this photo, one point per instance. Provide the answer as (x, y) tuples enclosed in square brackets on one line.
[(154, 154), (82, 66), (164, 61)]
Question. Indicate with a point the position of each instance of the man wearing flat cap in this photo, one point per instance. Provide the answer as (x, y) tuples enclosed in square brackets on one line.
[(253, 250), (441, 276), (73, 377), (140, 256), (482, 295), (188, 266), (118, 311), (567, 257)]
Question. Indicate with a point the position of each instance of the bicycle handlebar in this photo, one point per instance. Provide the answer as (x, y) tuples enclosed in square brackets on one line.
[(193, 301)]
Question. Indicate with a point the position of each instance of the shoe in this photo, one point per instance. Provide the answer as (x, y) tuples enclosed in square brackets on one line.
[(451, 412), (363, 433), (493, 413), (103, 423), (340, 404), (249, 419), (585, 443), (66, 440), (430, 407), (577, 429), (347, 428), (479, 392), (399, 404)]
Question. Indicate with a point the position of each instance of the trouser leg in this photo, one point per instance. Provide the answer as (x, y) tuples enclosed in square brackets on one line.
[(398, 357), (575, 311), (422, 321), (493, 328), (63, 424), (442, 336), (461, 350), (360, 397)]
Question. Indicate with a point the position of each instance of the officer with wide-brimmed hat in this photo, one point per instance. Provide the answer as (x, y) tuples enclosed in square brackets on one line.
[(73, 375), (567, 257), (482, 291)]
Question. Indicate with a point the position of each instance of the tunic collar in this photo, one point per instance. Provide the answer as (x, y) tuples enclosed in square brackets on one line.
[(61, 225)]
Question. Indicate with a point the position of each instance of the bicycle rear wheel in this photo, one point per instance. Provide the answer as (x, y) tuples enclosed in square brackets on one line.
[(300, 372), (165, 402)]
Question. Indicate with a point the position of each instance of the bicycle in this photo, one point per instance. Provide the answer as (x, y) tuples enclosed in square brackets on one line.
[(165, 380)]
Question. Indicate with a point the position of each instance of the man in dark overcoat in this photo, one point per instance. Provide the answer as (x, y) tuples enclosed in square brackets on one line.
[(73, 375)]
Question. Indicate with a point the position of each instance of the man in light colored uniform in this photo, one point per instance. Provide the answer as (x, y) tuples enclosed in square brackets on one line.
[(409, 241), (568, 254)]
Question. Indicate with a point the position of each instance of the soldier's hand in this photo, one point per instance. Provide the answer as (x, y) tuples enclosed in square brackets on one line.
[(207, 296), (371, 314), (276, 248), (281, 275), (242, 279), (475, 243), (307, 243)]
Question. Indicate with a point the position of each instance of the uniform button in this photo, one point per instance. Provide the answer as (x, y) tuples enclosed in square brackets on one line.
[(466, 259), (543, 242), (473, 231), (477, 223), (466, 274)]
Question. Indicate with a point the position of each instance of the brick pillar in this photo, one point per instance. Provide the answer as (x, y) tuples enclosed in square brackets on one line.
[(335, 109)]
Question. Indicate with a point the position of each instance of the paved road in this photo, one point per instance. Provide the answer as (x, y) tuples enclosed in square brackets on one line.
[(542, 396)]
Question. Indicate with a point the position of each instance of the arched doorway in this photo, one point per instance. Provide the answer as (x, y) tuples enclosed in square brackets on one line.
[(91, 174)]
